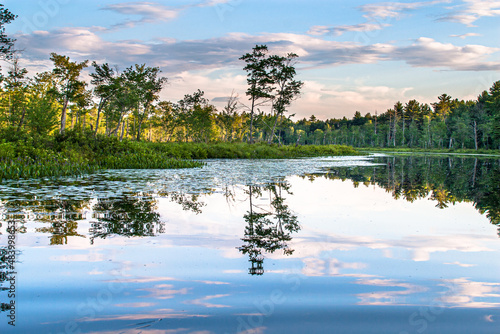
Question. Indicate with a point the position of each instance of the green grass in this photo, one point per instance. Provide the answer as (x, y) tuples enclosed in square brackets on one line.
[(29, 168), (248, 151), (147, 161), (74, 154)]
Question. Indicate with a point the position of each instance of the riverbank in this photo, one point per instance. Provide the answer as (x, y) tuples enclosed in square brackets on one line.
[(76, 154), (459, 152)]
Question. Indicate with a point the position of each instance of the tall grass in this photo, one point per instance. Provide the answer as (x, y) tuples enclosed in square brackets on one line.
[(80, 153), (147, 161), (29, 168)]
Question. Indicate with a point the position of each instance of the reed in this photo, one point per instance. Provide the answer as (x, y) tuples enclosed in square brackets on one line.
[(29, 168), (147, 161)]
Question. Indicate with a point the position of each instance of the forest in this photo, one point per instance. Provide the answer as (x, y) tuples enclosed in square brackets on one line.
[(126, 106)]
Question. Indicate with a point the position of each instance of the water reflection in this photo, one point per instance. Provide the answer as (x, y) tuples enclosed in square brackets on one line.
[(445, 180), (268, 229), (130, 216), (168, 259)]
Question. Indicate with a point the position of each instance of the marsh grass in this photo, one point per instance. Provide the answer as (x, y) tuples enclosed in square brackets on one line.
[(147, 161), (29, 168), (74, 154)]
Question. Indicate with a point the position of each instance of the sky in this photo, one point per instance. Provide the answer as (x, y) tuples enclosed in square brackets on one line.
[(356, 55)]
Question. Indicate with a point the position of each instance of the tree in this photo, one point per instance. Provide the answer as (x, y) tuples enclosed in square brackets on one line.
[(42, 109), (197, 115), (16, 85), (107, 83), (68, 87), (443, 107), (258, 80), (412, 110), (282, 73), (493, 109), (6, 43), (145, 85), (398, 112), (229, 118)]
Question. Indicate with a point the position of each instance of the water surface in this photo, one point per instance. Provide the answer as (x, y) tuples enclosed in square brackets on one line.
[(376, 244)]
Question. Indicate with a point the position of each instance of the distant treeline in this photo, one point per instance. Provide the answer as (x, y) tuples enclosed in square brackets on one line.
[(448, 123)]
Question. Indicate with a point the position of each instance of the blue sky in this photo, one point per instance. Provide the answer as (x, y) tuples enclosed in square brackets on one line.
[(354, 55)]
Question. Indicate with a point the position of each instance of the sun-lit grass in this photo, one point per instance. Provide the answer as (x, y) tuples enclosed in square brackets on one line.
[(28, 168), (147, 161), (76, 154)]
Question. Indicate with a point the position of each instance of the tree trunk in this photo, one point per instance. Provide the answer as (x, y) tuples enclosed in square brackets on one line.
[(21, 122), (63, 117), (273, 130), (403, 140), (139, 129), (475, 135), (99, 109), (298, 139), (251, 120), (123, 130)]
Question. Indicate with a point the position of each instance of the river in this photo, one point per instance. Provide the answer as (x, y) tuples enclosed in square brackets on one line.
[(371, 244)]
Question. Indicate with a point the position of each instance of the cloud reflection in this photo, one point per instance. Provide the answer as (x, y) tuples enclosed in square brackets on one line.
[(393, 297), (466, 293)]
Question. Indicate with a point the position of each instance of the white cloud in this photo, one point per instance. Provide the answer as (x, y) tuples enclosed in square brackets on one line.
[(464, 36), (472, 10), (378, 16), (153, 12), (212, 64), (426, 52), (463, 265), (223, 52), (148, 12), (386, 10), (339, 30)]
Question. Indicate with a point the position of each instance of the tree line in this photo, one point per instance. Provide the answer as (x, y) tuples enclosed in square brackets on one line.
[(447, 123)]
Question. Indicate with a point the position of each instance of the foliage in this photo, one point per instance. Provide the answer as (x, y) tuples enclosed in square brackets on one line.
[(6, 43)]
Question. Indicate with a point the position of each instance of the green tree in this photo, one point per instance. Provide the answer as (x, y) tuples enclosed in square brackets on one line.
[(6, 43), (42, 109), (145, 85), (16, 85), (68, 86), (443, 107), (258, 80), (493, 109), (107, 84), (282, 74)]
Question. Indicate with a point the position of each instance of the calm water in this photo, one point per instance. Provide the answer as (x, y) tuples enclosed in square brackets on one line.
[(327, 245)]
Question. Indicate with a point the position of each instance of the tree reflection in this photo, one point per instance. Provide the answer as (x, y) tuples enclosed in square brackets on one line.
[(62, 217), (268, 229), (188, 202), (444, 180), (132, 216)]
